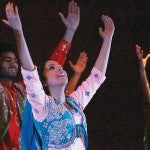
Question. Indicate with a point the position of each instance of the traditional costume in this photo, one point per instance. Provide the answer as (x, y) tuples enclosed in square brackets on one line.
[(56, 126), (12, 98), (31, 140)]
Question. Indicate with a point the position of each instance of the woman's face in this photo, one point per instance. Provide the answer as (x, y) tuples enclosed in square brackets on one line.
[(54, 74)]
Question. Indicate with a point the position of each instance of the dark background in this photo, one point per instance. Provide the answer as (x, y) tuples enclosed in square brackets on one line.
[(115, 115)]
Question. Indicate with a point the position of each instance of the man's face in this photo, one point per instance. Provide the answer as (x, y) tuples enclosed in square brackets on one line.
[(8, 65)]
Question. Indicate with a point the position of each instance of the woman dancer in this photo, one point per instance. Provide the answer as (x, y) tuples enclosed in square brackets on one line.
[(60, 120)]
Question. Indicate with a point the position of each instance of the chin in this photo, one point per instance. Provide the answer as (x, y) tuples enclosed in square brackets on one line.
[(63, 83)]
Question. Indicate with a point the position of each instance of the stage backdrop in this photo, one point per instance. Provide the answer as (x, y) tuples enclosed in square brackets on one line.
[(115, 114)]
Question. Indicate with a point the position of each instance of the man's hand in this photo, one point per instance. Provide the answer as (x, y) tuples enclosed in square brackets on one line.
[(108, 27), (72, 20), (13, 19), (80, 65)]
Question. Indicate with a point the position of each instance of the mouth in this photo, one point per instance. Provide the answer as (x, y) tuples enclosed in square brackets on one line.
[(12, 69)]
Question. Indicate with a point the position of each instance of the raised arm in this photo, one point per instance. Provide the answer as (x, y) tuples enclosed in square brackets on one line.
[(35, 93), (106, 34), (85, 92), (143, 77), (78, 68), (13, 20), (71, 21)]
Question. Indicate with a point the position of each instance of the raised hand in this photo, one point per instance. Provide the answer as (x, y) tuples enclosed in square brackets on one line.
[(139, 53), (72, 20), (108, 27), (80, 65), (13, 19)]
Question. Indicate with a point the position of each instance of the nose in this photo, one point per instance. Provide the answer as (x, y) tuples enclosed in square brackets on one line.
[(14, 63), (60, 68)]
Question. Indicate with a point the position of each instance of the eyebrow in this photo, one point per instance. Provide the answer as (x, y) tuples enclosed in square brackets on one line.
[(8, 58), (52, 64)]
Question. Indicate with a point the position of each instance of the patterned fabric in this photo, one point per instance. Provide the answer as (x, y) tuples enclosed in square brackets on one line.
[(11, 106), (50, 113), (61, 52), (58, 129)]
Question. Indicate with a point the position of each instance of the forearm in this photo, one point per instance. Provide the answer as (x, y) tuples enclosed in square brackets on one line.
[(23, 51), (145, 85), (68, 36), (72, 84), (102, 60)]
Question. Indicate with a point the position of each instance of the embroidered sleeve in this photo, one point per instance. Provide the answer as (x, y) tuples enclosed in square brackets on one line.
[(35, 93), (61, 51), (88, 88)]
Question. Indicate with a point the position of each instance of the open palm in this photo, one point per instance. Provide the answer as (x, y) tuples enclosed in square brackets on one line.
[(13, 19), (80, 65), (73, 18), (108, 27)]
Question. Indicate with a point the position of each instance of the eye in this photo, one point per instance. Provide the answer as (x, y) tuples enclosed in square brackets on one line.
[(16, 60), (7, 60), (51, 68)]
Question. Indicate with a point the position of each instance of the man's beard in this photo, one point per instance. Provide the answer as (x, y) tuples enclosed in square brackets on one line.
[(7, 75)]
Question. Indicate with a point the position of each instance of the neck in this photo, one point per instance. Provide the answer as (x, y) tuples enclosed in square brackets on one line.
[(58, 93)]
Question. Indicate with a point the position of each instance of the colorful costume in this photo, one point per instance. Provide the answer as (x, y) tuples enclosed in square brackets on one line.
[(31, 140), (12, 100), (58, 127)]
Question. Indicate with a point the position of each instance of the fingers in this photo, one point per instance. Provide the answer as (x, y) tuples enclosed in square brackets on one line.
[(7, 9), (73, 8), (105, 21), (16, 11), (71, 64), (70, 7), (10, 11), (83, 57), (139, 52), (108, 22), (5, 21), (138, 47), (100, 30), (78, 12), (62, 17)]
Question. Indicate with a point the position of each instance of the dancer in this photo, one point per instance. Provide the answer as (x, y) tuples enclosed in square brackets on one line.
[(9, 129), (142, 64), (12, 98), (60, 120), (146, 94)]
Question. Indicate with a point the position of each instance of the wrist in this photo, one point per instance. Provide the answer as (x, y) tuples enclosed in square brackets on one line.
[(107, 38), (70, 31), (18, 32), (77, 74), (69, 35), (141, 65)]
